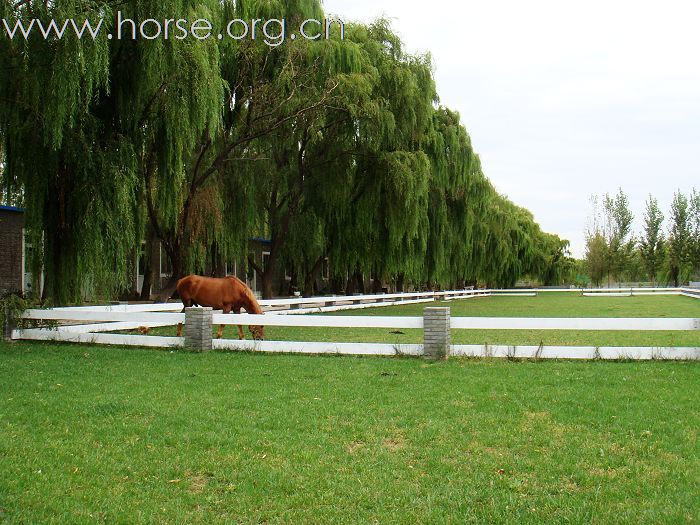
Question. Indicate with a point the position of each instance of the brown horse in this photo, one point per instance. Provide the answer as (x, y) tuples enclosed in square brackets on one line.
[(229, 294)]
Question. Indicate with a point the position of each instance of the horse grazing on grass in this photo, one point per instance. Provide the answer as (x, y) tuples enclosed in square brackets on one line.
[(229, 294)]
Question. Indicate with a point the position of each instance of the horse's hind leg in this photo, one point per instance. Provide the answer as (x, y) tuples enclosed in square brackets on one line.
[(186, 304)]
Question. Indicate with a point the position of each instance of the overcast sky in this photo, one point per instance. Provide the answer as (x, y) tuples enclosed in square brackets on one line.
[(564, 99)]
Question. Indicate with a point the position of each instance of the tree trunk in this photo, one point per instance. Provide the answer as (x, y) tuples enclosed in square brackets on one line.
[(377, 286), (169, 289), (400, 283), (360, 281), (266, 274), (310, 279), (350, 286), (336, 285), (218, 265), (145, 294), (266, 279)]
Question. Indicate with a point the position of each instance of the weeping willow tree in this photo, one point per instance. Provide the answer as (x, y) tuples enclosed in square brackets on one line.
[(331, 149), (291, 169), (268, 91), (77, 172), (350, 176), (456, 202), (375, 213)]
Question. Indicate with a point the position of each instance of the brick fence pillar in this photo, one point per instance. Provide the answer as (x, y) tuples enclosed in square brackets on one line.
[(437, 339), (198, 323)]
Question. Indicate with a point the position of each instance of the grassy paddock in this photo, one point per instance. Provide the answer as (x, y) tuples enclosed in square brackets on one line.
[(90, 434), (544, 305)]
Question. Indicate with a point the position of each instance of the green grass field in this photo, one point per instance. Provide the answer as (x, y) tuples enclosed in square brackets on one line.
[(113, 435), (544, 305)]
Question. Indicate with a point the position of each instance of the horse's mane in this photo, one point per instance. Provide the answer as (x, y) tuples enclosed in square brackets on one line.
[(249, 295)]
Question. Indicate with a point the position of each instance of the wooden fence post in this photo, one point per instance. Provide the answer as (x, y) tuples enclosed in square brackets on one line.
[(198, 326), (437, 339)]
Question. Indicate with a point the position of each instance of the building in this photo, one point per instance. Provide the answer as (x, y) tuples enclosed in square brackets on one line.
[(14, 277), (160, 268)]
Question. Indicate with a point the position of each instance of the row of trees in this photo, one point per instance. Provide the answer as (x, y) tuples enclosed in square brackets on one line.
[(333, 149), (670, 255)]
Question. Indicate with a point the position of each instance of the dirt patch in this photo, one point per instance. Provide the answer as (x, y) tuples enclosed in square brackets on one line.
[(198, 482), (394, 444), (355, 446)]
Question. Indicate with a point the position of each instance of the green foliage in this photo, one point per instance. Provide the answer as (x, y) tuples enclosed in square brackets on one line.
[(694, 225), (596, 257), (330, 148), (652, 244), (12, 306), (680, 241), (672, 258), (618, 233)]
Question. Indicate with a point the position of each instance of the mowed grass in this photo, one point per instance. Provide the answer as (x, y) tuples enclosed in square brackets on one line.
[(112, 435), (544, 305)]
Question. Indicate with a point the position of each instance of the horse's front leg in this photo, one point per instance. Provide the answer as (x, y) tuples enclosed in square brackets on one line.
[(241, 335), (220, 333)]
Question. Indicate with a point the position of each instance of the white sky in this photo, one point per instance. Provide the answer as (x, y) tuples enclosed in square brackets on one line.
[(563, 99)]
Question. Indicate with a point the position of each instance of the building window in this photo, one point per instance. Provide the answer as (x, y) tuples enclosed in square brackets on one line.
[(31, 284), (326, 271), (142, 259), (26, 264), (250, 276)]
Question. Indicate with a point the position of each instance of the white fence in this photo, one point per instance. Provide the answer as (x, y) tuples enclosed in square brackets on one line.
[(89, 323)]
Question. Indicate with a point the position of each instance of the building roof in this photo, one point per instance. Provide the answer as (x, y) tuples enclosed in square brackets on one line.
[(11, 208), (261, 240)]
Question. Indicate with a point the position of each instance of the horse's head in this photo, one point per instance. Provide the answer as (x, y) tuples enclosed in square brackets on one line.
[(258, 332)]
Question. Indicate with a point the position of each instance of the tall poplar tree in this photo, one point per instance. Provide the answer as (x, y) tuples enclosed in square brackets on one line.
[(652, 245), (694, 225), (679, 241)]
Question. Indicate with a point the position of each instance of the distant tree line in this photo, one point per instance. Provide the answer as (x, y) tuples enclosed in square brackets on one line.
[(333, 149), (664, 252)]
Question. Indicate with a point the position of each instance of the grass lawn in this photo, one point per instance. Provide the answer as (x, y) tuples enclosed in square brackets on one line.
[(112, 435), (544, 305)]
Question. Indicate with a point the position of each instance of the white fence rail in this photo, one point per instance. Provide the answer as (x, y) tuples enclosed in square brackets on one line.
[(94, 320), (467, 323), (298, 305)]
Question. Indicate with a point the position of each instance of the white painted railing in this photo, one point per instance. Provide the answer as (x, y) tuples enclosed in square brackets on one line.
[(343, 302), (466, 323), (124, 317)]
